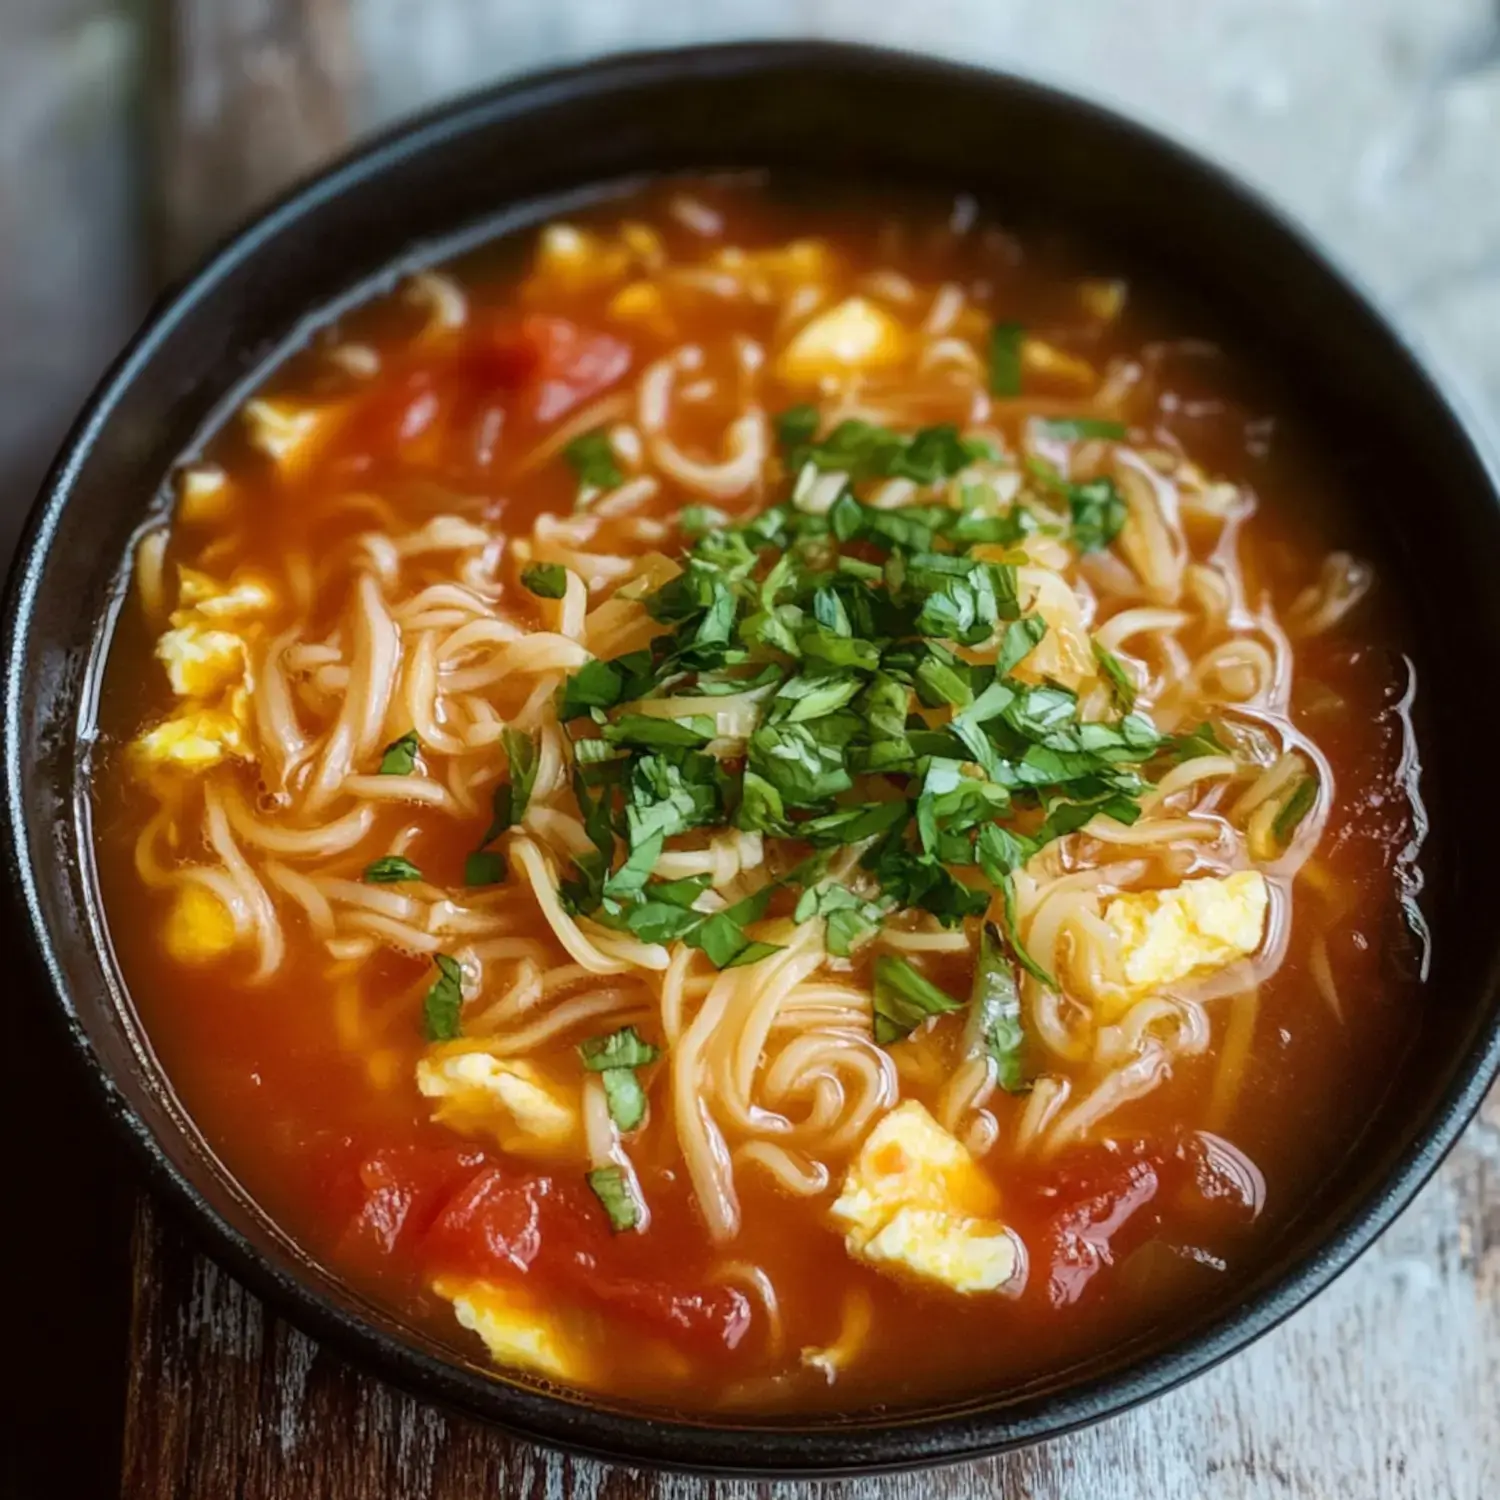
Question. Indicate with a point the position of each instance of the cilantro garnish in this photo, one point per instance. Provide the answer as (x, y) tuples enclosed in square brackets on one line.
[(837, 650), (399, 758), (545, 580), (1006, 340), (444, 1001), (616, 1195), (390, 869), (593, 460)]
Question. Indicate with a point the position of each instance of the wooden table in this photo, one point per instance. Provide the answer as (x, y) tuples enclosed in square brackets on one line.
[(1384, 1387)]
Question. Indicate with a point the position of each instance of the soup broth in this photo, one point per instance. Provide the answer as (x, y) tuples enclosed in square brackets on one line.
[(757, 803)]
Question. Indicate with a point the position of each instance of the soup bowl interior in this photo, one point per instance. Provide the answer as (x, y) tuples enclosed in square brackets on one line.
[(512, 156)]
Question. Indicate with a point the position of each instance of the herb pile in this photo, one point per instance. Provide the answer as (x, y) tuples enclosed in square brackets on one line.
[(828, 637)]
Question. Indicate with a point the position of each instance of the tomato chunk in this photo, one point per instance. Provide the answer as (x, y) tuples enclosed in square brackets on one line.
[(491, 1226), (400, 1191), (573, 365), (1100, 1197), (710, 1316)]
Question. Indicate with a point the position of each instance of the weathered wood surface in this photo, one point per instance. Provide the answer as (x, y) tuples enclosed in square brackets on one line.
[(1373, 118), (70, 285)]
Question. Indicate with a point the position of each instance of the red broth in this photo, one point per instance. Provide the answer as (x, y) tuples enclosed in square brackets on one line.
[(310, 1096)]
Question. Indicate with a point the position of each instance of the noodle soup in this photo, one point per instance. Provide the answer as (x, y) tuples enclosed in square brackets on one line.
[(756, 804)]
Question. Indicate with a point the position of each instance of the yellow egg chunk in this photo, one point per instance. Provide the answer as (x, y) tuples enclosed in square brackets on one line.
[(245, 594), (199, 927), (505, 1098), (1189, 930), (641, 303), (855, 335), (200, 662), (915, 1204), (195, 741), (569, 259), (203, 494), (517, 1335)]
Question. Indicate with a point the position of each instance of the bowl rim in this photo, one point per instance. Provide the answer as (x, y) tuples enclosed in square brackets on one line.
[(775, 1448)]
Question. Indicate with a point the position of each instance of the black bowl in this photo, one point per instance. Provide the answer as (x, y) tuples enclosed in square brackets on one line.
[(501, 157)]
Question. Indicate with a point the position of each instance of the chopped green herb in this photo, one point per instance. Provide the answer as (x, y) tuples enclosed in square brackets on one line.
[(399, 758), (1294, 809), (593, 460), (391, 869), (624, 1097), (1006, 341), (904, 998), (444, 1001), (1121, 683), (546, 580), (696, 521), (848, 920), (1099, 513), (620, 1049), (996, 1010), (509, 799), (616, 1193), (484, 867), (797, 425), (1200, 741), (1075, 429), (1013, 937)]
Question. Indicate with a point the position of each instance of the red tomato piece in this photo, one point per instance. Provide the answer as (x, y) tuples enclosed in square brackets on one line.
[(573, 364), (402, 1189), (710, 1316), (492, 1226), (1100, 1199)]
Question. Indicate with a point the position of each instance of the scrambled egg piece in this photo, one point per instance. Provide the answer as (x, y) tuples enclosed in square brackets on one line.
[(1190, 930), (200, 738), (200, 662), (516, 1334), (199, 927), (506, 1098), (569, 259), (203, 494), (781, 268), (641, 303), (916, 1204), (855, 335), (246, 594)]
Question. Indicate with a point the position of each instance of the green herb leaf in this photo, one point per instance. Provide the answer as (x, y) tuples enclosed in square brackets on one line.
[(848, 921), (1076, 429), (484, 867), (1006, 340), (1013, 937), (593, 460), (444, 1001), (797, 425), (996, 1010), (546, 580), (624, 1096), (616, 1193), (1099, 514), (649, 731), (1200, 741), (1121, 683), (904, 998), (391, 869), (399, 758), (508, 801), (1294, 809), (620, 1049)]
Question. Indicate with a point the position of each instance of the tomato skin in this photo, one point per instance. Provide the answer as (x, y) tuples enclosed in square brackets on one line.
[(400, 1191), (492, 1226), (711, 1317), (1102, 1196), (573, 365)]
